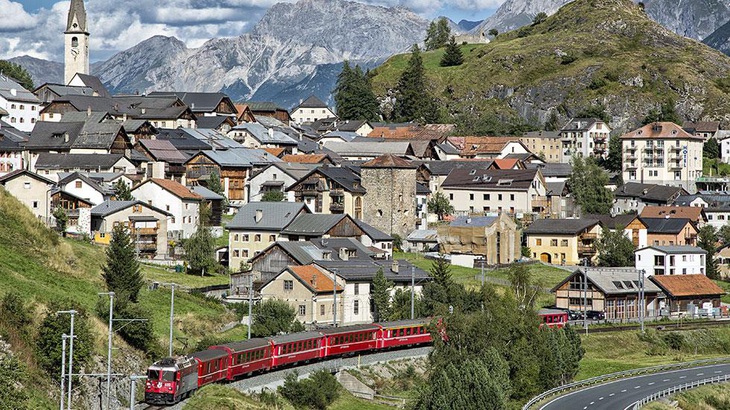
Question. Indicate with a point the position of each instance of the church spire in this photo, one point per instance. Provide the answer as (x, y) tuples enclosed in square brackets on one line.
[(76, 17)]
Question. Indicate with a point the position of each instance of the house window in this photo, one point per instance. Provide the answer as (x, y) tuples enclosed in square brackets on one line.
[(499, 197), (257, 238), (235, 238), (553, 242), (486, 197), (658, 260), (244, 253), (302, 310), (357, 288), (538, 242), (244, 238), (451, 197), (511, 197), (186, 206), (236, 253), (564, 242), (26, 185), (167, 208), (35, 204), (288, 284), (272, 238), (321, 309), (78, 184), (356, 307)]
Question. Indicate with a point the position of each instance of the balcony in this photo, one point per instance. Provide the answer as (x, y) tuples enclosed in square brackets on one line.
[(631, 157), (540, 202), (675, 166), (144, 231), (588, 236), (337, 192), (586, 250), (146, 246), (675, 148), (336, 207), (630, 149)]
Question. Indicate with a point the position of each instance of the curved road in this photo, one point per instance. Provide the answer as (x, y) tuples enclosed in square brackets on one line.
[(620, 394)]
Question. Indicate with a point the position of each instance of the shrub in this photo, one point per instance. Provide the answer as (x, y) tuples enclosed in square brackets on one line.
[(567, 59), (316, 392), (674, 340)]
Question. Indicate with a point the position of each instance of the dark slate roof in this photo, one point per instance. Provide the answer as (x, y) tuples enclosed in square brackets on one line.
[(211, 121), (580, 124), (664, 225), (313, 224), (50, 135), (422, 189), (613, 281), (466, 221), (312, 102), (63, 90), (366, 269), (649, 192), (479, 178), (163, 150), (241, 157), (13, 133), (95, 84), (198, 102), (182, 140), (560, 226), (73, 161), (374, 233), (677, 249), (344, 177), (350, 125), (266, 135), (552, 169), (205, 193), (307, 252), (110, 207), (388, 161), (275, 215), (445, 167), (7, 84), (685, 200), (262, 106), (612, 222)]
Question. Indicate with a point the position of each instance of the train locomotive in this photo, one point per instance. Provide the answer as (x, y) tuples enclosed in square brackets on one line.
[(173, 379)]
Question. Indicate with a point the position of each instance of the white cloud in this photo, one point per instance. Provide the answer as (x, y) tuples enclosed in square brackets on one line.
[(15, 18)]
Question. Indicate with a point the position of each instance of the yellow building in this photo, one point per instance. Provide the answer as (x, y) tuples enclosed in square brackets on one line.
[(545, 144), (563, 241)]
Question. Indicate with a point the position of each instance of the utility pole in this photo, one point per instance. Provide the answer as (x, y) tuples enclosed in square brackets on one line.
[(109, 349), (250, 303), (484, 259), (334, 295), (63, 368), (133, 378), (413, 291), (585, 294), (172, 310), (642, 272), (70, 354)]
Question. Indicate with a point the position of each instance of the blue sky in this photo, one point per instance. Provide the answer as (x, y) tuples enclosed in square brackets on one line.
[(33, 27)]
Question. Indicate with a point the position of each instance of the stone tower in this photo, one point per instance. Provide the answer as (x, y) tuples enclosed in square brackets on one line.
[(76, 56), (390, 202)]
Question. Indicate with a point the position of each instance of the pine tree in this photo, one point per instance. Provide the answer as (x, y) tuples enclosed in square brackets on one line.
[(452, 56), (438, 34), (122, 272), (368, 107), (17, 73), (61, 219), (613, 161), (344, 92), (381, 295), (122, 191), (441, 272), (215, 185), (354, 97), (707, 239), (413, 102)]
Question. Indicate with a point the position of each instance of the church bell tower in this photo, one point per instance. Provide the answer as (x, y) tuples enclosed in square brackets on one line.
[(76, 56)]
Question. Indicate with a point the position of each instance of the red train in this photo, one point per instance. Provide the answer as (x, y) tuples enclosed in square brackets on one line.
[(553, 318), (173, 379)]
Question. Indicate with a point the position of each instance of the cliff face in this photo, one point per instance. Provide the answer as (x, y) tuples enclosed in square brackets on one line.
[(589, 53)]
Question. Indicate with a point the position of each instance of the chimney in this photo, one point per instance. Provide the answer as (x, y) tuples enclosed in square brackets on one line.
[(124, 117), (65, 137), (395, 267), (143, 111), (468, 221), (314, 281), (13, 92), (88, 111), (343, 254), (271, 133), (259, 215)]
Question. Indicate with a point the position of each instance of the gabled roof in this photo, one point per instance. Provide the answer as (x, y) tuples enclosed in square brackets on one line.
[(11, 90), (580, 124), (240, 157), (423, 235), (94, 83), (47, 135), (163, 150), (342, 176), (687, 285), (443, 168), (701, 126), (660, 130), (665, 225), (313, 224), (560, 226), (314, 278), (312, 102), (366, 269), (263, 106), (365, 148), (372, 232), (482, 145), (351, 125), (296, 171), (107, 208), (612, 222), (552, 169), (214, 121), (206, 193), (388, 161), (62, 90), (676, 249), (274, 215), (93, 183), (612, 281), (197, 101), (173, 187), (480, 178), (649, 192), (265, 135), (306, 252), (305, 158), (182, 140), (76, 161), (694, 213), (21, 172)]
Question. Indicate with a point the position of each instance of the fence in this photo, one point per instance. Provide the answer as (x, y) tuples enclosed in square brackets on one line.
[(676, 389), (620, 375)]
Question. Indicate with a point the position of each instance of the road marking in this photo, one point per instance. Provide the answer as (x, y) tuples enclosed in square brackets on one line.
[(682, 377), (666, 380), (718, 371), (623, 391), (700, 374), (591, 403), (636, 387), (600, 398), (651, 383), (612, 394)]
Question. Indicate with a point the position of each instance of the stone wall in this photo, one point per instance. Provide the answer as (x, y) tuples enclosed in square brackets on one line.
[(390, 202)]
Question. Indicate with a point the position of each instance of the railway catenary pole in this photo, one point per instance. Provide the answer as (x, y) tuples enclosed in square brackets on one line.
[(642, 305), (109, 349), (63, 368), (585, 294), (250, 303), (172, 312), (334, 296), (132, 389), (413, 291), (70, 355)]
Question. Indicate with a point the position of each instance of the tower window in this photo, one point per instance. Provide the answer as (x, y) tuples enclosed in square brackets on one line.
[(74, 41)]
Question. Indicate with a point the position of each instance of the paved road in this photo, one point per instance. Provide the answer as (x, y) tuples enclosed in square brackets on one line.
[(620, 394)]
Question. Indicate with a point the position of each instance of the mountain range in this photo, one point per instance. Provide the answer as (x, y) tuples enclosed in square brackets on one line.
[(298, 49), (600, 55)]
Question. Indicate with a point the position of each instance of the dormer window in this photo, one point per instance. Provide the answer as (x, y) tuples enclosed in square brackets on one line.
[(473, 172), (327, 255), (476, 179), (504, 182)]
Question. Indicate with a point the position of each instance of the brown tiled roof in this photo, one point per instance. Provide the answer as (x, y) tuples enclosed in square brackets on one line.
[(507, 163), (314, 278), (687, 285), (693, 213), (660, 130), (305, 159), (176, 188), (412, 131), (702, 126), (275, 151), (387, 161), (475, 145)]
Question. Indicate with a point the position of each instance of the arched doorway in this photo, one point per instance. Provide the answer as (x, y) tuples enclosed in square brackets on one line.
[(545, 257)]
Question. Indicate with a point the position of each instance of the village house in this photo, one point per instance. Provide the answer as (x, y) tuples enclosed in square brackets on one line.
[(78, 211), (147, 226), (277, 177), (633, 197), (203, 104), (261, 109), (360, 127), (671, 260), (82, 185), (84, 80), (614, 291), (256, 226), (166, 161), (255, 135), (315, 226), (12, 147), (212, 200), (175, 198), (546, 144), (331, 190), (586, 137), (48, 92), (704, 129), (662, 153), (422, 240), (563, 241), (310, 110), (365, 150), (481, 190), (32, 190), (665, 231), (492, 239), (51, 164), (21, 106), (693, 213), (694, 295), (488, 147), (308, 289)]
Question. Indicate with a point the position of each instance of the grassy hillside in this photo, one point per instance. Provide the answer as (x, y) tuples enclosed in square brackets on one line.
[(42, 268), (590, 52)]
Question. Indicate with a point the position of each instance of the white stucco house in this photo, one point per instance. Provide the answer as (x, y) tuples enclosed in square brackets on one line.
[(175, 198), (671, 260)]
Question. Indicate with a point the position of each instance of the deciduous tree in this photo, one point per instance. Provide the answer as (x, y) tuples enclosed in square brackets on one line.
[(588, 182), (440, 205), (272, 196), (61, 217), (48, 341), (615, 248), (17, 73), (272, 317)]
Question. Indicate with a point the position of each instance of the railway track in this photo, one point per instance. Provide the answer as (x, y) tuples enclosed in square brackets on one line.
[(662, 326)]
